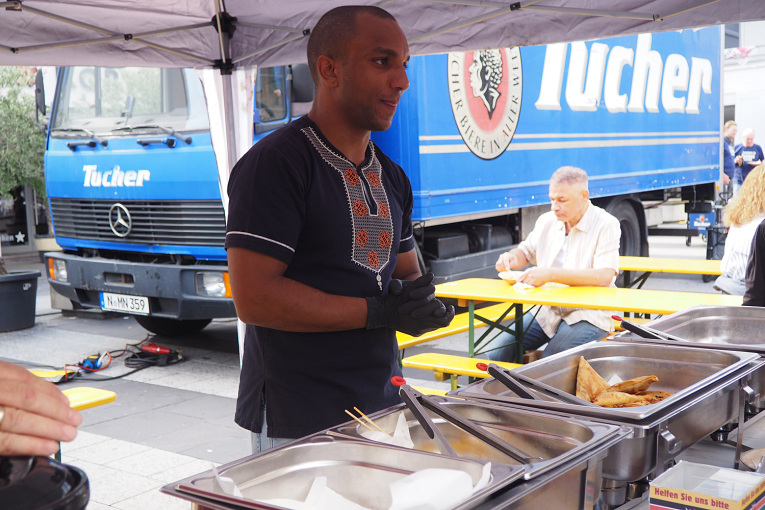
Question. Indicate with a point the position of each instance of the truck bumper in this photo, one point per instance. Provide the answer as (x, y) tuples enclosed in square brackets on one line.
[(171, 289)]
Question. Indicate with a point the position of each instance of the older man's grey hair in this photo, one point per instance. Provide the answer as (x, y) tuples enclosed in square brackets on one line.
[(569, 176)]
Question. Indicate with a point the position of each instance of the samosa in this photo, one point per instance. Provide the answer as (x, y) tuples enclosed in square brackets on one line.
[(589, 383)]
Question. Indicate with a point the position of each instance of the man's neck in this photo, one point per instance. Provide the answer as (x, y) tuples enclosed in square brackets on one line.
[(574, 222), (351, 143)]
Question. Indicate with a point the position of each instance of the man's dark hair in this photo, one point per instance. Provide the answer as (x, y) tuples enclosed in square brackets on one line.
[(334, 29)]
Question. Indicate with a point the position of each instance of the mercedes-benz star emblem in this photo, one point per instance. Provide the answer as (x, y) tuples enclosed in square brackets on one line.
[(120, 220)]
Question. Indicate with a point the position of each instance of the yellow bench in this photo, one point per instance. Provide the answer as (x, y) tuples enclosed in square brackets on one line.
[(459, 324), (448, 366), (83, 397), (429, 391)]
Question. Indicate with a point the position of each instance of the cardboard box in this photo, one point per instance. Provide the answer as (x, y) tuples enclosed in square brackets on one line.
[(699, 486)]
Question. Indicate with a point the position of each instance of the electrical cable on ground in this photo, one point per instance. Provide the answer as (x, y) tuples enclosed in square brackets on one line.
[(140, 356)]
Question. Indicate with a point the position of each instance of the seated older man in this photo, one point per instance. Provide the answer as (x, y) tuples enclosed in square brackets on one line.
[(576, 243)]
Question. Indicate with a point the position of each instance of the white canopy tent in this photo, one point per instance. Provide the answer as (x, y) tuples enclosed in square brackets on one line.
[(235, 35), (239, 34), (209, 33)]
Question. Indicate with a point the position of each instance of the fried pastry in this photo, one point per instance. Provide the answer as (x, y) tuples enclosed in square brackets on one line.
[(647, 398), (635, 385), (589, 383), (615, 399)]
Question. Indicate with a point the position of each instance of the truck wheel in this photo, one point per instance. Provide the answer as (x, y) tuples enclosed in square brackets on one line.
[(628, 221), (171, 327)]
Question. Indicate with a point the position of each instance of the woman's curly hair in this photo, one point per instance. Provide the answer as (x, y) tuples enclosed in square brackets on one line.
[(749, 202)]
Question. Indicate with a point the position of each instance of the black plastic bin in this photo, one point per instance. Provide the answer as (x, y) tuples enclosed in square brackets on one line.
[(41, 483), (18, 295)]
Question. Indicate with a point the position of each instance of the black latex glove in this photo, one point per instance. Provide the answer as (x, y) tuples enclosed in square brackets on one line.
[(410, 307)]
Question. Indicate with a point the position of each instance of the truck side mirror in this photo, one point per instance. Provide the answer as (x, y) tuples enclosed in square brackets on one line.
[(39, 95), (302, 84)]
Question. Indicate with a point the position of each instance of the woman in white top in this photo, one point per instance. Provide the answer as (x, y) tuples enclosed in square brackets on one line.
[(743, 214)]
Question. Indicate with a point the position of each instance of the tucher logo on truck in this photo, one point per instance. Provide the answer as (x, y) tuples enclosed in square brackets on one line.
[(114, 178), (485, 92), (595, 77)]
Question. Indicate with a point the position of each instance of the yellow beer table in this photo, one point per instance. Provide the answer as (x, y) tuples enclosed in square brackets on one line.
[(470, 291), (649, 265)]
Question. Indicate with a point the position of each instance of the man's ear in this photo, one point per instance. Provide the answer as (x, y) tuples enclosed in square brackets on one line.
[(327, 71)]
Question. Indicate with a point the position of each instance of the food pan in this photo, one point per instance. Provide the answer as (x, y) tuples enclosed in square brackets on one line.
[(738, 328), (682, 371), (708, 386), (715, 327), (357, 470), (549, 440)]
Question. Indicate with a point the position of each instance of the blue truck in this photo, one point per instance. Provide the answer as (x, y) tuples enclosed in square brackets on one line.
[(136, 206)]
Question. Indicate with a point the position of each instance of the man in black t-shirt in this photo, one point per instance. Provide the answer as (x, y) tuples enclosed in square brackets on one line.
[(320, 247)]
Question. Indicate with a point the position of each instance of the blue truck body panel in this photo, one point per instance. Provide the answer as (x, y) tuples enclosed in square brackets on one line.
[(623, 152)]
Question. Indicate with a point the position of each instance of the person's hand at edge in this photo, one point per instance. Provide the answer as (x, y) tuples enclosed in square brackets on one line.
[(36, 416)]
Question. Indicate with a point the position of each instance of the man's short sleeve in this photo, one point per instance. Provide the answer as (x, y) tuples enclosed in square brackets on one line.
[(266, 203), (407, 232)]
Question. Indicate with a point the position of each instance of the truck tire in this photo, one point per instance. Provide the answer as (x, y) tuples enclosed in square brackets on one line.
[(171, 327), (628, 221)]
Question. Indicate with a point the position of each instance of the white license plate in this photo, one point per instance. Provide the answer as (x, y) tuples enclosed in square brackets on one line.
[(123, 303)]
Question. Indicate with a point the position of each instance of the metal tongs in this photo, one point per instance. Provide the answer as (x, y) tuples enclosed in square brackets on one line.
[(417, 403), (514, 381), (645, 331)]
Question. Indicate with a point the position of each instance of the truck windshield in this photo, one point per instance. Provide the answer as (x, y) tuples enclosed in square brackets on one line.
[(100, 99)]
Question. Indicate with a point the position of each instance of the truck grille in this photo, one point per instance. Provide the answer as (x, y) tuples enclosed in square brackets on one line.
[(183, 222)]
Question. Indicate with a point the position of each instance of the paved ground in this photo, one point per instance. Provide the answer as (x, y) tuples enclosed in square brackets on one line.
[(171, 422)]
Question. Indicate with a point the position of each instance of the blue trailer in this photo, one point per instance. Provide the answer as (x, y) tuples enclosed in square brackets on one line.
[(133, 185)]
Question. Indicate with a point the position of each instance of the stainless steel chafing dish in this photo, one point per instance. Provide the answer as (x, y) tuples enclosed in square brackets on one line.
[(567, 456), (741, 328), (708, 388), (566, 453), (358, 470)]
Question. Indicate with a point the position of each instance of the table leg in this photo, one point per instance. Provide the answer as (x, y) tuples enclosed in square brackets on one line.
[(519, 333), (642, 279), (471, 328), (627, 282), (637, 282)]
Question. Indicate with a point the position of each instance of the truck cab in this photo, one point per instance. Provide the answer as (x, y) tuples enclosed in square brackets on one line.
[(134, 195)]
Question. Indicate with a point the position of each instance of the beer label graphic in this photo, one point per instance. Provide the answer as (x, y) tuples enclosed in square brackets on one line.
[(485, 89)]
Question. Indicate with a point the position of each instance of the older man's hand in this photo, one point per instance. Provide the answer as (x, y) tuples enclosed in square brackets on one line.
[(536, 276), (507, 262), (34, 415)]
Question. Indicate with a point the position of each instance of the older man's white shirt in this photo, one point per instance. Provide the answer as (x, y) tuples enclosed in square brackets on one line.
[(592, 244)]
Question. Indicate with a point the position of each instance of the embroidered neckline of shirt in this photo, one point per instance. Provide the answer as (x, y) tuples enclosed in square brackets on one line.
[(373, 234)]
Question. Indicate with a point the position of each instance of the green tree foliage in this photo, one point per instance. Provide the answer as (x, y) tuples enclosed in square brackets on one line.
[(22, 142)]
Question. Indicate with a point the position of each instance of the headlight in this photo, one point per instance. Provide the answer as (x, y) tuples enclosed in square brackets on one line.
[(213, 284), (57, 270)]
